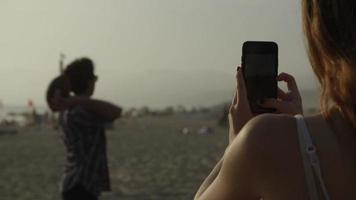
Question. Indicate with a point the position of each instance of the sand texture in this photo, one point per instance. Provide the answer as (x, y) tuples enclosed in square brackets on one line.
[(149, 158)]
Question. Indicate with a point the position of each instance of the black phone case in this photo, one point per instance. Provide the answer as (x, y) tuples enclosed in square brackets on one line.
[(272, 45)]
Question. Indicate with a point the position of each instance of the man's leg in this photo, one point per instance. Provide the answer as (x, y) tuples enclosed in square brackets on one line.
[(78, 193)]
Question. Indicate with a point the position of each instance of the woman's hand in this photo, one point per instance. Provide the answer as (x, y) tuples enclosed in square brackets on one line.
[(286, 103), (289, 102), (240, 112)]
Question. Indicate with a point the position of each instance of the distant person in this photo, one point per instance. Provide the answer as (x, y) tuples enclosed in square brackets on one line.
[(282, 156), (82, 120)]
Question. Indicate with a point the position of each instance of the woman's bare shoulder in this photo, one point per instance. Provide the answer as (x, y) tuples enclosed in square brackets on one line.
[(271, 147), (267, 134), (269, 127)]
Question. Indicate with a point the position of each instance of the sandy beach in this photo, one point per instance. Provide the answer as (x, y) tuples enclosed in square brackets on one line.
[(149, 158)]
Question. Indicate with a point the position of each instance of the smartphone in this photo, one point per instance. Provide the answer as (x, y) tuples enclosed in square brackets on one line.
[(260, 69)]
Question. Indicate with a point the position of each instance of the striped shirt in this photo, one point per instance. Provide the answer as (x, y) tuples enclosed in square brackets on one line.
[(86, 160)]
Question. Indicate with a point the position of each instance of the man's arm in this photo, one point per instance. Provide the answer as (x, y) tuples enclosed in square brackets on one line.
[(106, 110)]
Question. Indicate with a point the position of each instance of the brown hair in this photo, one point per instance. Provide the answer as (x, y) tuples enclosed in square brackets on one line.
[(330, 29)]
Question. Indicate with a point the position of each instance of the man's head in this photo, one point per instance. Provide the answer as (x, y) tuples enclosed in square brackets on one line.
[(81, 76)]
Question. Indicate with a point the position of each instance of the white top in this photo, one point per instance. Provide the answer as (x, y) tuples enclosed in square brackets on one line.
[(311, 162)]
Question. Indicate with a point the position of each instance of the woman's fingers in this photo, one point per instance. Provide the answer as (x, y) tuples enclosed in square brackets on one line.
[(286, 107), (291, 84), (280, 106), (240, 95), (234, 100), (282, 95), (240, 112), (273, 103), (241, 86)]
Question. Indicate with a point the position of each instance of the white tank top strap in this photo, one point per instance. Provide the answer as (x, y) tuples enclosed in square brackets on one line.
[(310, 161)]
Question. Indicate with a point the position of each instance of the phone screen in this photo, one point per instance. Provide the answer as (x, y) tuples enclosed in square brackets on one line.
[(260, 72), (260, 65)]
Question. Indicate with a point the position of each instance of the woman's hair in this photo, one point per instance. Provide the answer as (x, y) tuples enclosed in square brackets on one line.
[(330, 29), (75, 78)]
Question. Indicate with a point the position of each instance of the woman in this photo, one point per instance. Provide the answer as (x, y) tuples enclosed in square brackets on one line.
[(290, 157), (83, 122)]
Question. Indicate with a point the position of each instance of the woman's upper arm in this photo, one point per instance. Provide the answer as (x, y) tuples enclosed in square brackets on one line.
[(246, 162), (237, 177)]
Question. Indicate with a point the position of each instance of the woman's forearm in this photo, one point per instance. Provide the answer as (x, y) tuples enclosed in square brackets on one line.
[(210, 179)]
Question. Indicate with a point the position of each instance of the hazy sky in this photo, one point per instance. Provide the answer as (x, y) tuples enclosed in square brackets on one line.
[(147, 52)]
